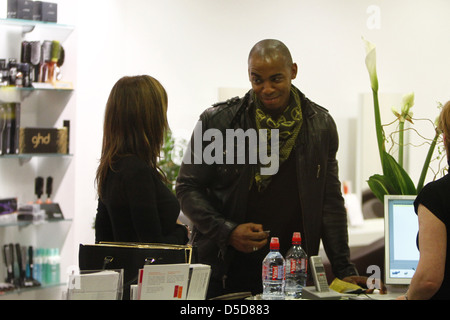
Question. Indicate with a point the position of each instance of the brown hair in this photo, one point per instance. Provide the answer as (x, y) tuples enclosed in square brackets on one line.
[(135, 123), (444, 125)]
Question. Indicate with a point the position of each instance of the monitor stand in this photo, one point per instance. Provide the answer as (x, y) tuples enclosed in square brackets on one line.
[(393, 292)]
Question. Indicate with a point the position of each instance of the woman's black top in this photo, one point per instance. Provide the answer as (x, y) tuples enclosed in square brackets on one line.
[(136, 206), (435, 196)]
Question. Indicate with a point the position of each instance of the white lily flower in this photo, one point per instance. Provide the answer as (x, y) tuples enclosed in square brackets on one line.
[(408, 102), (395, 112), (371, 63)]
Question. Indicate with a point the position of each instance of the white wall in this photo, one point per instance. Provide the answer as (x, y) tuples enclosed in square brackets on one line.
[(101, 56), (195, 47)]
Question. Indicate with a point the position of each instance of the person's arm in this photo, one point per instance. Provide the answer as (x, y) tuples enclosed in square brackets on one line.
[(334, 219), (103, 227), (433, 247), (199, 205), (193, 191)]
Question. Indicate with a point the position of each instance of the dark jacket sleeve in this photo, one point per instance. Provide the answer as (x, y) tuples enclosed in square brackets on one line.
[(194, 194), (334, 219)]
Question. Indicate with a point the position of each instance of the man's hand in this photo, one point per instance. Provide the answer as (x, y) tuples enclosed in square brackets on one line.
[(362, 282), (248, 237)]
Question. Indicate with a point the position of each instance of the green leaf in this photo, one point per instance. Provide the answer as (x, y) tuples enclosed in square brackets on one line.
[(427, 161), (380, 186), (397, 176)]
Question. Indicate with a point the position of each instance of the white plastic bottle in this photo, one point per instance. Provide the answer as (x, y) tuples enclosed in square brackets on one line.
[(296, 268), (273, 273)]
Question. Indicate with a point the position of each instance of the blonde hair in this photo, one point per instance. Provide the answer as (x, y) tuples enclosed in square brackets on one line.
[(444, 125), (135, 123)]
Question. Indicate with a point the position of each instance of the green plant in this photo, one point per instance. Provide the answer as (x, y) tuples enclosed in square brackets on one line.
[(170, 159), (394, 180)]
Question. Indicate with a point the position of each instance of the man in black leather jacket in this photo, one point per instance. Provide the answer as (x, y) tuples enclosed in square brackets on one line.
[(231, 204)]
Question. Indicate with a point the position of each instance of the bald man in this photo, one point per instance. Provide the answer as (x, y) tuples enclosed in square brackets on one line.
[(232, 203)]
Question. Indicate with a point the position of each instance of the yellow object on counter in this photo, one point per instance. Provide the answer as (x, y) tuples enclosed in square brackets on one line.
[(343, 287)]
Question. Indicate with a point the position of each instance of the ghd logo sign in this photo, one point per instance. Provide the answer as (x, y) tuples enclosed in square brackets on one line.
[(43, 140), (39, 139)]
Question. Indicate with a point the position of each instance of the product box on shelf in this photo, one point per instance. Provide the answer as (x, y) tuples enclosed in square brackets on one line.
[(29, 10), (25, 9), (49, 12), (8, 206), (11, 9), (43, 140), (8, 211), (9, 128), (37, 10)]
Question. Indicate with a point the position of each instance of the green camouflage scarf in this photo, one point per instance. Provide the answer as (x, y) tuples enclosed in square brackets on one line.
[(288, 124)]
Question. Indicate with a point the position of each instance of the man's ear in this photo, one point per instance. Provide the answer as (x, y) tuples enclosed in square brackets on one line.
[(294, 71)]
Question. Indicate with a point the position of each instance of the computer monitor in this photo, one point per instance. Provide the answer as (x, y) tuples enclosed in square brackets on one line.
[(400, 234)]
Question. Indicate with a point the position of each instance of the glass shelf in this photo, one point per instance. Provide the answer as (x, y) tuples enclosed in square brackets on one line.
[(32, 155), (21, 291), (17, 94), (26, 157), (23, 22), (28, 89), (32, 223), (44, 30)]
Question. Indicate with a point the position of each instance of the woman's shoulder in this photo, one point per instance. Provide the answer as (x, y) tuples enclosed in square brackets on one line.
[(441, 185), (131, 159), (435, 197), (132, 165)]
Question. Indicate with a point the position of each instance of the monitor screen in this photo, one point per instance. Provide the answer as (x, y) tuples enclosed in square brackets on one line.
[(400, 234)]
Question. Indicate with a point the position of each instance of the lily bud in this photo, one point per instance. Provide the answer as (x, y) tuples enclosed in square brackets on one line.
[(371, 64)]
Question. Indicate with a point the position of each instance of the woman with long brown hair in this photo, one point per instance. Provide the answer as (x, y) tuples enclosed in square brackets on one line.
[(134, 203)]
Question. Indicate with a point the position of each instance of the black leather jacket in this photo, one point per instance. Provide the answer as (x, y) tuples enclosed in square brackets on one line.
[(214, 196)]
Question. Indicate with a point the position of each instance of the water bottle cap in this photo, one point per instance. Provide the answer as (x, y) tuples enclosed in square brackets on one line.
[(274, 244), (296, 238)]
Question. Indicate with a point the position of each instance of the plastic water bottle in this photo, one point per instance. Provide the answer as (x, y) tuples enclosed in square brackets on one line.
[(296, 268), (273, 273)]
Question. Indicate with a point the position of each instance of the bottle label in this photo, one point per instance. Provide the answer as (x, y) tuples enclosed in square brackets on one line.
[(296, 265), (293, 265), (277, 273)]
